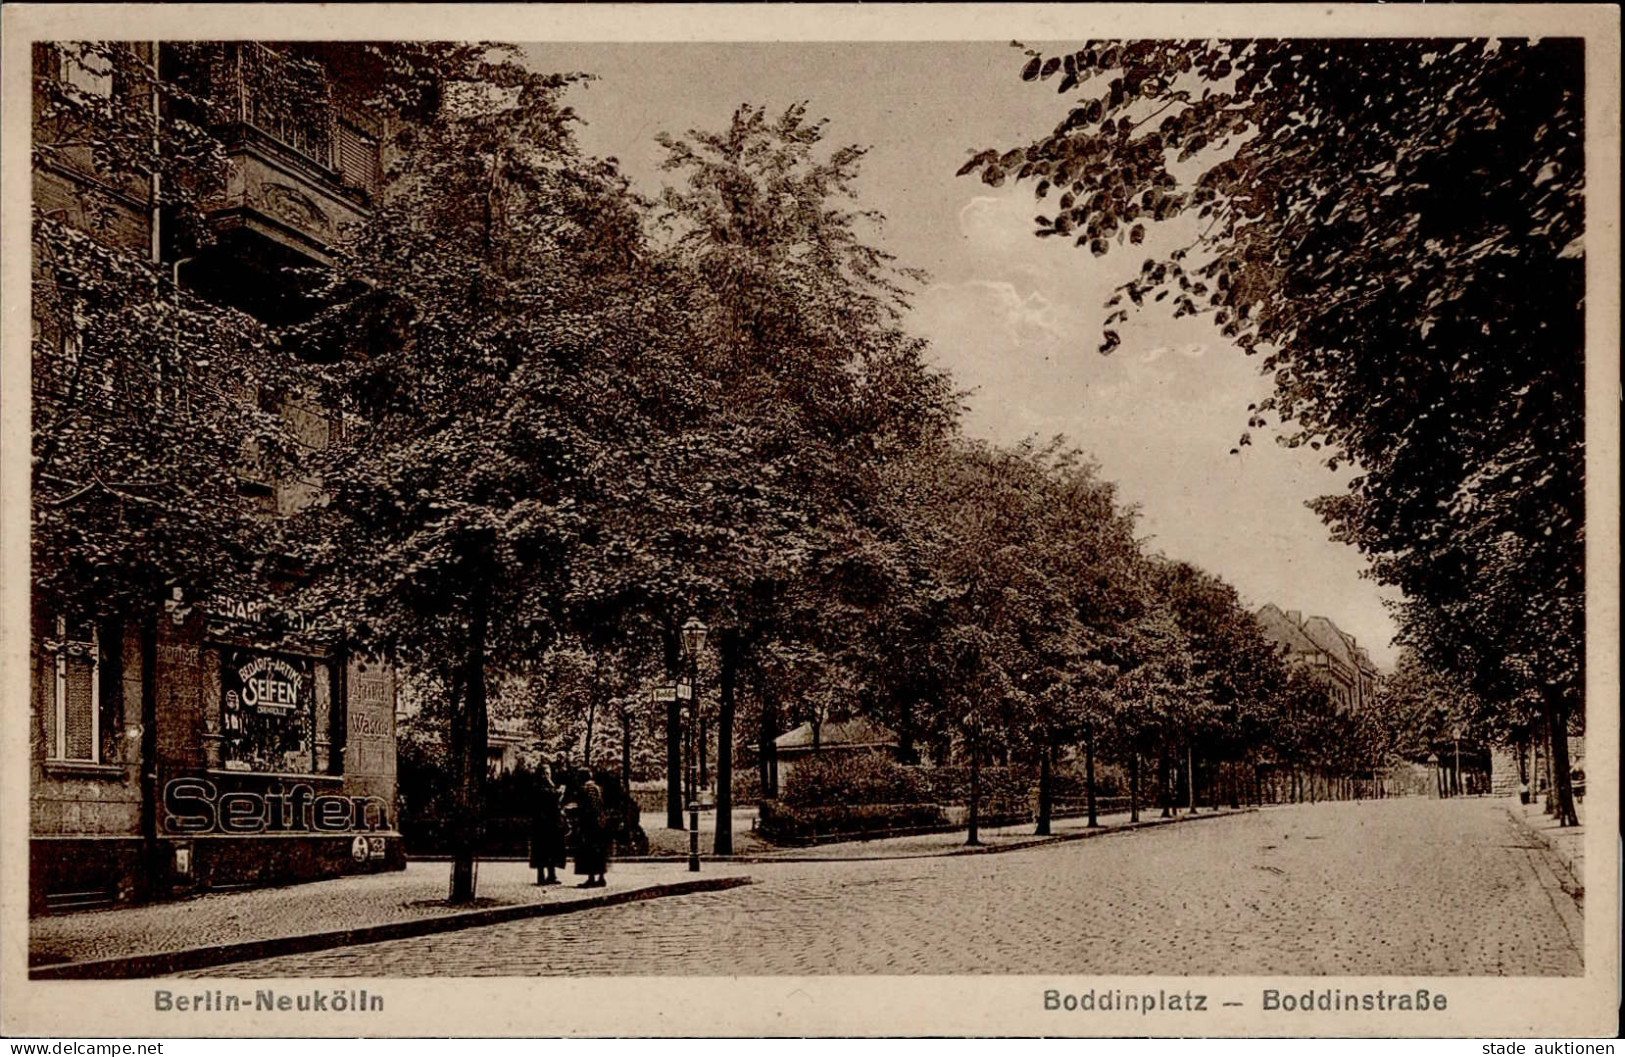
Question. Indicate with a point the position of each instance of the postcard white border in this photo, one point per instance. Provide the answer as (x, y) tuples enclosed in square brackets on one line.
[(777, 1006)]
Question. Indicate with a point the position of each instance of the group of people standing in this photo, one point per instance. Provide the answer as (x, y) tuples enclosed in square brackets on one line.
[(572, 820)]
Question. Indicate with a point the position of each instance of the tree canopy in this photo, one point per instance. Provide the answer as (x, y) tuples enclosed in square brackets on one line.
[(1396, 227)]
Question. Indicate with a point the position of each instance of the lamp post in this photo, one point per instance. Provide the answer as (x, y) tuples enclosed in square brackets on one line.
[(692, 636)]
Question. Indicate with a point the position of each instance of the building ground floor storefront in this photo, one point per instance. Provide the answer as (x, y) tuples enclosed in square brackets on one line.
[(196, 752)]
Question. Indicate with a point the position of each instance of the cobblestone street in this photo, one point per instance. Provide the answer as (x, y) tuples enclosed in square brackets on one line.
[(1406, 886)]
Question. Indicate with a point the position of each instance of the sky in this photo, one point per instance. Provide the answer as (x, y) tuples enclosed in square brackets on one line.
[(1016, 319)]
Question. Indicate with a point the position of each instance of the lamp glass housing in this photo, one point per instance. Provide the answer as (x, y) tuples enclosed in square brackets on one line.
[(693, 636)]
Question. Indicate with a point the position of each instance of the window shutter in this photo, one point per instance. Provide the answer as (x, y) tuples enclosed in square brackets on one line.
[(358, 157), (52, 685), (79, 702)]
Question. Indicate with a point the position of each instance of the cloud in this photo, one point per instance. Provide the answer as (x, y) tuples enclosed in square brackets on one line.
[(1001, 226), (1028, 320)]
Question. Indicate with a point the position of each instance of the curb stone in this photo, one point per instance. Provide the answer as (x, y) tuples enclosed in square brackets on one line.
[(1561, 867), (163, 963), (1557, 878), (986, 849)]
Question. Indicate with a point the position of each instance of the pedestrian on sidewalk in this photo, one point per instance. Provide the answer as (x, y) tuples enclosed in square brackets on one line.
[(546, 828), (592, 853), (591, 835)]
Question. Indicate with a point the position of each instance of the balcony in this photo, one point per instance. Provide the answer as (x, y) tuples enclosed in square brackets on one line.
[(301, 168)]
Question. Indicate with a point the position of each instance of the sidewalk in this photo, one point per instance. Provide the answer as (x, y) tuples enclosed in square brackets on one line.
[(163, 937), (224, 927), (1566, 843)]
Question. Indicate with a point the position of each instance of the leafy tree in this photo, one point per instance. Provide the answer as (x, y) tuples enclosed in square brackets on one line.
[(151, 405), (496, 381), (1396, 225), (796, 326), (1234, 669)]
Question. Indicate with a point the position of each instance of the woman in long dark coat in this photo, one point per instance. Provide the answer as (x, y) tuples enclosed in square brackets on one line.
[(546, 830), (591, 835)]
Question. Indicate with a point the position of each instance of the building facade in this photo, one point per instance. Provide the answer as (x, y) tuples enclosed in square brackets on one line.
[(200, 748), (1319, 646)]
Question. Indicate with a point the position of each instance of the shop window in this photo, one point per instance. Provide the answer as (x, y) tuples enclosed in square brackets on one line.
[(267, 713), (73, 718)]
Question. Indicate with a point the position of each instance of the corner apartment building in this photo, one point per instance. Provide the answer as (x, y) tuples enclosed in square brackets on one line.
[(1319, 646), (192, 750)]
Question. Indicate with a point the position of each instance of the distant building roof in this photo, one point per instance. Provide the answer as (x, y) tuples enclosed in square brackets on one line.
[(843, 734), (1282, 629), (1314, 635), (1330, 640)]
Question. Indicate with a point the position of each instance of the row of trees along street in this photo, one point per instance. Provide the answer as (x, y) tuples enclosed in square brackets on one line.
[(574, 417)]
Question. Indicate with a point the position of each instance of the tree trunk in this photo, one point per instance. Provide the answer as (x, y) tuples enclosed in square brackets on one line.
[(1134, 786), (725, 741), (766, 749), (674, 765), (906, 753), (1089, 777), (1558, 725), (1551, 773), (974, 837), (1044, 790), (674, 740), (471, 791), (703, 736), (1163, 796), (592, 709), (626, 751), (1190, 776)]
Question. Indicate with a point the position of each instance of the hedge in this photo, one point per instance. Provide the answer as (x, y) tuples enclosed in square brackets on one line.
[(802, 824), (853, 778)]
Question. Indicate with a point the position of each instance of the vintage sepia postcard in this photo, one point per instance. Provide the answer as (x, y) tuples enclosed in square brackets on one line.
[(810, 520)]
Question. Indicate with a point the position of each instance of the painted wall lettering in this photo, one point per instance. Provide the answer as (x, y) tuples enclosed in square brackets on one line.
[(369, 725), (194, 805), (189, 806)]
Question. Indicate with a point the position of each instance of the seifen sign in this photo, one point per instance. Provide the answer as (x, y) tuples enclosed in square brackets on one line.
[(194, 805), (270, 684)]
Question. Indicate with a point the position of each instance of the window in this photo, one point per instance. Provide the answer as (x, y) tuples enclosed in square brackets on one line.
[(87, 71), (73, 718), (267, 712)]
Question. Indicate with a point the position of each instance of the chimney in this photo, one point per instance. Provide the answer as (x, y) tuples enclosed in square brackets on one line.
[(1296, 616)]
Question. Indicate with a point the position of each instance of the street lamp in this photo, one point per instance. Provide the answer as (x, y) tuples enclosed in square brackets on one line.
[(692, 636)]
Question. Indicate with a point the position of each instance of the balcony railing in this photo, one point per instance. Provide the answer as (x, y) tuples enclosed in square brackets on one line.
[(290, 101), (285, 99)]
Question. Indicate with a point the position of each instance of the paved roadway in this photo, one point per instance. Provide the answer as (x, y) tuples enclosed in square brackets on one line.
[(1393, 887)]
